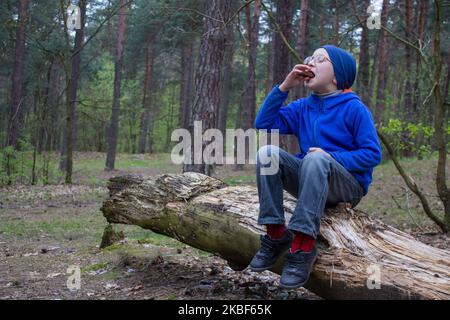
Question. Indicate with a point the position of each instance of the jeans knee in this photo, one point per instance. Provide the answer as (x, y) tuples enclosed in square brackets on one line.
[(317, 159)]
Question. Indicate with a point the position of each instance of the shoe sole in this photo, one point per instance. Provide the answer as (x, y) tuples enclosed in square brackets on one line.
[(285, 286), (261, 269)]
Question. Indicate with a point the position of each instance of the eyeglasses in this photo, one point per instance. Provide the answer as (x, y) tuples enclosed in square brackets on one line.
[(320, 58)]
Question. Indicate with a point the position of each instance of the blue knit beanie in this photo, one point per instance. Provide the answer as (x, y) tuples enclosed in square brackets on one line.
[(344, 66)]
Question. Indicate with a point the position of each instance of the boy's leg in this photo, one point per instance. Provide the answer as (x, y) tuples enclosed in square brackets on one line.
[(322, 181), (271, 184), (276, 170)]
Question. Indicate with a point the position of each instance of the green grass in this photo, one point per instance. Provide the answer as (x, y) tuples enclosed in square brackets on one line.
[(88, 167), (111, 275), (125, 162), (44, 195), (95, 267), (89, 226), (58, 227), (172, 296)]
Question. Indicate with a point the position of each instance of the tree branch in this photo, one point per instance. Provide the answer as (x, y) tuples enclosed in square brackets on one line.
[(411, 183), (283, 37)]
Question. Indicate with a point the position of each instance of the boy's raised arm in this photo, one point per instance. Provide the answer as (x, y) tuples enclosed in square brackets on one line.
[(272, 114)]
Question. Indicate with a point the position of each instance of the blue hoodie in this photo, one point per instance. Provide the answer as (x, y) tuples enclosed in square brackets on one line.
[(340, 125)]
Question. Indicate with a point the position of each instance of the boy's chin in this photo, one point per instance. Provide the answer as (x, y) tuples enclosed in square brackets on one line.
[(310, 85), (313, 85)]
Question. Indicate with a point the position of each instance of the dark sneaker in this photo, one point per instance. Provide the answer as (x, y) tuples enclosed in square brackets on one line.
[(269, 252), (297, 268)]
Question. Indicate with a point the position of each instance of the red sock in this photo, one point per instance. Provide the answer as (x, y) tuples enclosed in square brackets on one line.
[(275, 231), (302, 242)]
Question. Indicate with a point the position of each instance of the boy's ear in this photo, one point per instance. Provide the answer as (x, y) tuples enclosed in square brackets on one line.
[(335, 81)]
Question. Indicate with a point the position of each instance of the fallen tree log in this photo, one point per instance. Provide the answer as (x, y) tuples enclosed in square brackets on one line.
[(354, 249)]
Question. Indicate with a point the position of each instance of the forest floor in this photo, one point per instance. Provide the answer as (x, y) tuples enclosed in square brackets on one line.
[(44, 230)]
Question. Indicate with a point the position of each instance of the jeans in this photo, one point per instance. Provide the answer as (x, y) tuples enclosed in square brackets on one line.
[(317, 181)]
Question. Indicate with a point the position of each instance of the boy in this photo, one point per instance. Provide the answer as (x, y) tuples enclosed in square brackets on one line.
[(339, 149)]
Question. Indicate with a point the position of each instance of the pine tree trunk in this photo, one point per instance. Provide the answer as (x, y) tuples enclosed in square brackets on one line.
[(147, 99), (421, 25), (66, 162), (408, 62), (382, 66), (336, 23), (54, 141), (439, 113), (44, 125), (270, 59), (284, 14), (247, 116), (187, 79), (113, 131), (225, 90), (321, 27), (364, 57), (281, 62), (17, 77), (302, 43), (207, 95)]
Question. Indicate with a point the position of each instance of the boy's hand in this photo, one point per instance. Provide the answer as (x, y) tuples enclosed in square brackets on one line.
[(298, 75), (311, 150)]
